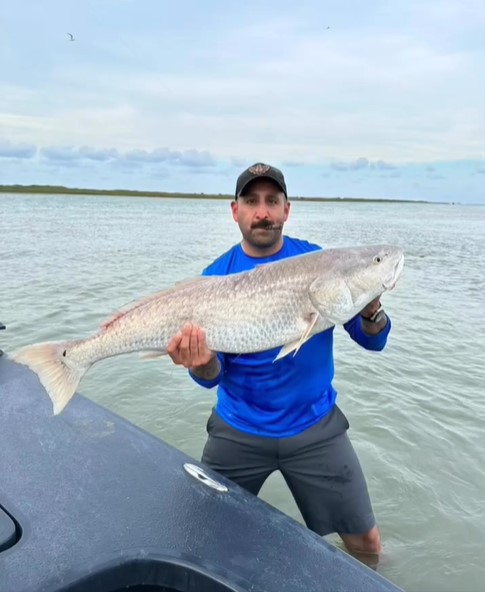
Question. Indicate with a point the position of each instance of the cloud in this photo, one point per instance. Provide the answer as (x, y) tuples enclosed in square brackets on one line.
[(226, 91), (73, 153), (24, 151), (189, 158), (383, 166), (361, 164), (98, 154), (481, 171), (355, 165), (227, 88)]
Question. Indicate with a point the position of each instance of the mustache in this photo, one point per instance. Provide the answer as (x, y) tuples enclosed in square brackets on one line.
[(266, 225)]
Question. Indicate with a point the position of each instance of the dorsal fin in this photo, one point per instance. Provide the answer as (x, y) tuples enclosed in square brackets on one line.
[(145, 300)]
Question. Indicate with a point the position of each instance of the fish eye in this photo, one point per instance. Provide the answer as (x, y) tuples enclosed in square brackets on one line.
[(377, 259)]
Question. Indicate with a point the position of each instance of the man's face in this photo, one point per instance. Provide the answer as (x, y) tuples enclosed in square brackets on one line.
[(260, 213)]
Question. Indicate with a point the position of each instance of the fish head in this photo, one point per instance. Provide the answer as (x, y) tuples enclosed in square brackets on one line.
[(352, 277)]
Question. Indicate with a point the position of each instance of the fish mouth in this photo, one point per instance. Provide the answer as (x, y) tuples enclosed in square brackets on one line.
[(390, 283)]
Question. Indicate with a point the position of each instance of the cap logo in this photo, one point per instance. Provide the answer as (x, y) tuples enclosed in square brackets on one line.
[(259, 169)]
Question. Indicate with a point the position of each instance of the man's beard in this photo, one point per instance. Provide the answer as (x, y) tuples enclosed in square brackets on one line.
[(265, 239)]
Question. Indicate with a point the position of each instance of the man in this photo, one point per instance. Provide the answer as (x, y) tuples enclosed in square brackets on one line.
[(282, 415)]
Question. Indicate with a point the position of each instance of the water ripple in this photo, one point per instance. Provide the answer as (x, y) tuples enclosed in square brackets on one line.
[(416, 409)]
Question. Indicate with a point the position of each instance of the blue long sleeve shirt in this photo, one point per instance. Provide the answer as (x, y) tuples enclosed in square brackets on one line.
[(279, 399)]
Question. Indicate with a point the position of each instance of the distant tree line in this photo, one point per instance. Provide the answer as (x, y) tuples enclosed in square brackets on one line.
[(59, 189)]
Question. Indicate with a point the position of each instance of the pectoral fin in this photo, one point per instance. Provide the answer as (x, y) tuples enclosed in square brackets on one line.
[(333, 299), (295, 345)]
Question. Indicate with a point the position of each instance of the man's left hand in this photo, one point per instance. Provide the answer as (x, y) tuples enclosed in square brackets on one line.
[(371, 308), (376, 326)]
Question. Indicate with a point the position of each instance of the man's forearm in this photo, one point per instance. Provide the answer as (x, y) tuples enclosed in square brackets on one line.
[(208, 371)]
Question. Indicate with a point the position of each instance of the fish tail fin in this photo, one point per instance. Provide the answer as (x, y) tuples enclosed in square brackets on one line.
[(59, 379)]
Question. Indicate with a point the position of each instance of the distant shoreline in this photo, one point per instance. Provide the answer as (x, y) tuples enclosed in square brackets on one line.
[(60, 190)]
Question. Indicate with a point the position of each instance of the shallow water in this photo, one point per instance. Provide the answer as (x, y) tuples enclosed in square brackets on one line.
[(416, 409)]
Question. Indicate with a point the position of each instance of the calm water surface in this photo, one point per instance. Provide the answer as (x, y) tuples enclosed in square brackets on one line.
[(416, 410)]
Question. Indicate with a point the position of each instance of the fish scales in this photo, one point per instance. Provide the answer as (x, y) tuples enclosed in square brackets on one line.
[(249, 312), (276, 304)]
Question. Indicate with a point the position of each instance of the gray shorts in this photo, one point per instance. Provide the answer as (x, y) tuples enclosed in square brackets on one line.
[(319, 466)]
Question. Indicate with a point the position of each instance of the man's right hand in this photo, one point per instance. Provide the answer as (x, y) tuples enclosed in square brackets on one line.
[(188, 348)]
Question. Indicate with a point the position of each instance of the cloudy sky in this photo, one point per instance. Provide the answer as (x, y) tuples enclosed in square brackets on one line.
[(380, 99)]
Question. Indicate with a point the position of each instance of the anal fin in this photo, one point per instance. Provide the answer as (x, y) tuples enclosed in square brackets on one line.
[(152, 355)]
